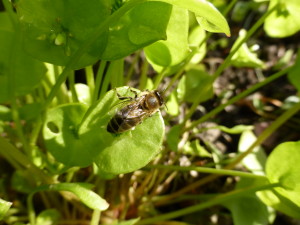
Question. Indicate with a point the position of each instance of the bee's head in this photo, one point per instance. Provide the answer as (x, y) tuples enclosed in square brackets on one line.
[(159, 97)]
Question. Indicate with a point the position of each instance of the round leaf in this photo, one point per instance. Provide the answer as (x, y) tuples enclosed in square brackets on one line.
[(128, 151), (210, 15), (285, 20), (283, 167)]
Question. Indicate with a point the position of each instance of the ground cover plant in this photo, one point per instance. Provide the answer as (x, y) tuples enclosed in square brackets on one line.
[(223, 149)]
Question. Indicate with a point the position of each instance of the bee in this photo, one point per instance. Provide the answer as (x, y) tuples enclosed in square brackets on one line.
[(136, 111)]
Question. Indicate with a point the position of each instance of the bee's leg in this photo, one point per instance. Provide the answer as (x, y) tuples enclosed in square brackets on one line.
[(122, 97), (134, 92)]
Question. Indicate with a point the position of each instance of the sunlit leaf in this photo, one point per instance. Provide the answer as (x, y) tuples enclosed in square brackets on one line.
[(285, 20), (173, 50), (141, 26), (4, 207), (245, 57), (283, 168), (48, 217)]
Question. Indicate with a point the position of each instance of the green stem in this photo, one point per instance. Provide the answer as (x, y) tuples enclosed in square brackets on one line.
[(105, 83), (11, 152), (215, 201), (238, 97), (252, 30), (30, 208), (72, 87), (132, 65), (99, 77), (144, 70), (266, 133), (207, 170), (90, 79), (95, 217), (159, 78), (227, 61), (9, 9), (183, 67)]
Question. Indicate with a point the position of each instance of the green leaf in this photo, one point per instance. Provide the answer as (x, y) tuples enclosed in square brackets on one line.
[(20, 181), (245, 57), (53, 30), (236, 129), (88, 197), (48, 217), (285, 20), (172, 105), (4, 207), (175, 49), (5, 113), (283, 167), (125, 152), (248, 210), (173, 137), (196, 40), (256, 160), (128, 222), (141, 26), (62, 138), (202, 8), (83, 93), (19, 73), (194, 148), (197, 81), (294, 73)]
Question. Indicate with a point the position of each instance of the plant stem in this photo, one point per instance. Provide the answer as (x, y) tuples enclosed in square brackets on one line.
[(159, 78), (90, 79), (105, 83), (266, 133), (236, 98), (207, 170), (99, 77), (72, 87), (228, 58), (217, 200), (143, 79), (11, 152), (95, 217), (30, 209), (131, 68)]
